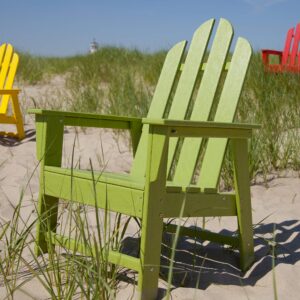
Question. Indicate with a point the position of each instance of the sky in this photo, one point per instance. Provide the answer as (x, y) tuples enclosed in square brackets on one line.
[(66, 27)]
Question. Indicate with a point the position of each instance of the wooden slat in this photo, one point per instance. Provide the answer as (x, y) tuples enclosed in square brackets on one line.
[(159, 102), (198, 205), (5, 65), (114, 124), (106, 177), (113, 197), (188, 78), (2, 51), (206, 132), (215, 150), (204, 101), (7, 75), (287, 47), (199, 124), (80, 115), (112, 256), (295, 47)]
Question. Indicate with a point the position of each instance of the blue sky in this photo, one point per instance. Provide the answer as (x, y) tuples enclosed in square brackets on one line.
[(66, 27)]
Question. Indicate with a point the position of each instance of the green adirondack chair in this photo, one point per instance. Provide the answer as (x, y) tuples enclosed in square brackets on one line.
[(147, 193)]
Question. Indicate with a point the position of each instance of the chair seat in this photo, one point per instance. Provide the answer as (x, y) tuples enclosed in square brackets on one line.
[(122, 193), (124, 180)]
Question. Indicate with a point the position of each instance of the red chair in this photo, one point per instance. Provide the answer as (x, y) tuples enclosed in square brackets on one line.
[(289, 58)]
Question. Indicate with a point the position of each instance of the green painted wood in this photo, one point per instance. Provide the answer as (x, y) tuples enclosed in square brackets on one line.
[(118, 179), (91, 120), (203, 235), (49, 134), (82, 190), (112, 256), (210, 132), (199, 124), (159, 102), (203, 129), (215, 150), (198, 205), (79, 115), (243, 202), (152, 222), (188, 78), (204, 101)]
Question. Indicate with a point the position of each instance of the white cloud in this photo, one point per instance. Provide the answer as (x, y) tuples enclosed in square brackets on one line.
[(260, 5)]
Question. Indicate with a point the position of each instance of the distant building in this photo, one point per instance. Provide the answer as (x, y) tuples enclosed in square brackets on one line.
[(93, 46)]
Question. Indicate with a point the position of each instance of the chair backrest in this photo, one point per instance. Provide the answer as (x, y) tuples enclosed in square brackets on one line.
[(198, 92), (8, 67), (290, 54)]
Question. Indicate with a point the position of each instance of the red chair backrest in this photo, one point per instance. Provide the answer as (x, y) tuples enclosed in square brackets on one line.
[(290, 55)]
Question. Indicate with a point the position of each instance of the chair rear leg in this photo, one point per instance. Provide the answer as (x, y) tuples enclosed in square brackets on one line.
[(243, 202)]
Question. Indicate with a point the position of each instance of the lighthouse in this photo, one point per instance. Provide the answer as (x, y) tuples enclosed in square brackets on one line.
[(93, 46)]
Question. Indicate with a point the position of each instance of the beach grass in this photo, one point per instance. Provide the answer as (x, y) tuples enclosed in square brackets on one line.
[(122, 81)]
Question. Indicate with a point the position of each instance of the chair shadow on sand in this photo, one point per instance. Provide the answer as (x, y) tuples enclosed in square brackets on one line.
[(199, 266), (13, 142), (30, 136)]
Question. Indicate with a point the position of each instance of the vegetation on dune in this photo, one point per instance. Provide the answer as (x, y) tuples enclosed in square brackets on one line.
[(122, 81)]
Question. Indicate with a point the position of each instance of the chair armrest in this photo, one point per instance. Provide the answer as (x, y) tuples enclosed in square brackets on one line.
[(177, 128), (88, 119), (266, 53), (11, 92)]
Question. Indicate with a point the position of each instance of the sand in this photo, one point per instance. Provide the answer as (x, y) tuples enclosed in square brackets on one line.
[(206, 271)]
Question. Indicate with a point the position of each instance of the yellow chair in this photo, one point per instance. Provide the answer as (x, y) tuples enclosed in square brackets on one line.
[(8, 66)]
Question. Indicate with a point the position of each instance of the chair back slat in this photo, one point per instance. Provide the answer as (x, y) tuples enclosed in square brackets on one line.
[(9, 63), (204, 100), (181, 87), (159, 102), (295, 47), (226, 110), (287, 47), (7, 56), (188, 78)]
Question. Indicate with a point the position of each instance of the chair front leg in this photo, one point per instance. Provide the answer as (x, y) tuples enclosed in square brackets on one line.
[(243, 202), (152, 219), (49, 139)]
